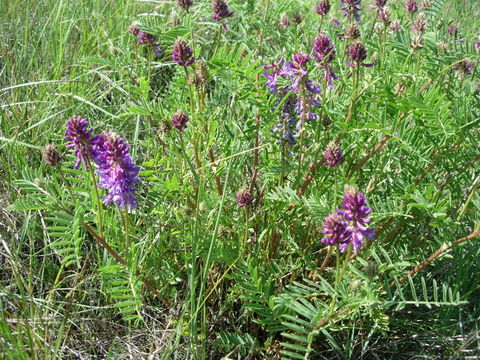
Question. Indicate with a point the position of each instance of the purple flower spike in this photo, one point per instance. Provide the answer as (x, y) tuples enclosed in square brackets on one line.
[(244, 198), (337, 231), (324, 52), (182, 54), (333, 155), (323, 7), (146, 38), (301, 59), (323, 48), (118, 175), (411, 6), (351, 8), (80, 139), (184, 4), (220, 10), (354, 209), (465, 66), (477, 45), (453, 29), (180, 120), (358, 53), (51, 155)]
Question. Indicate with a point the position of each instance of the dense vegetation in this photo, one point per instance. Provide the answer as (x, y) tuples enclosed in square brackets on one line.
[(239, 180)]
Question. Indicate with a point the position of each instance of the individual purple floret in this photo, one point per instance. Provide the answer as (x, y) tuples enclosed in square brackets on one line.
[(354, 209), (477, 45), (351, 8), (411, 6), (337, 231), (180, 120), (118, 175), (80, 138), (182, 54), (324, 51), (358, 53), (323, 7), (184, 4), (333, 155), (220, 10), (244, 198)]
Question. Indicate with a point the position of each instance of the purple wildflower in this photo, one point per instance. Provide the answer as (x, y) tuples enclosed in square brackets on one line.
[(80, 138), (182, 54), (465, 66), (353, 31), (133, 29), (354, 209), (358, 53), (411, 6), (302, 97), (337, 231), (384, 15), (324, 52), (244, 198), (323, 7), (323, 48), (453, 29), (335, 21), (284, 21), (395, 26), (420, 24), (477, 45), (179, 120), (220, 10), (333, 155), (296, 18), (379, 4), (184, 4), (116, 170), (145, 39), (51, 156), (351, 8)]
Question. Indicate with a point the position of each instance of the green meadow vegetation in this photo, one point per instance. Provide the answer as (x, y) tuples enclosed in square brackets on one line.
[(240, 179)]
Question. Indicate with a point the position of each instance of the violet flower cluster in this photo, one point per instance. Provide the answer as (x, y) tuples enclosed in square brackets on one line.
[(290, 78), (358, 53), (110, 153), (220, 10), (182, 54), (80, 138), (146, 39), (323, 7), (324, 52), (351, 9), (349, 224), (333, 155), (117, 172), (244, 198)]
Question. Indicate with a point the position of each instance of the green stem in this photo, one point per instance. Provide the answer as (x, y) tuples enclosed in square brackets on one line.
[(97, 197)]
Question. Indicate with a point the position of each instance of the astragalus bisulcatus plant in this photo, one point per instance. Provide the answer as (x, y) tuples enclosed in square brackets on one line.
[(240, 179)]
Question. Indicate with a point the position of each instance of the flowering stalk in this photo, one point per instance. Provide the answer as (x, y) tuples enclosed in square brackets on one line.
[(81, 141)]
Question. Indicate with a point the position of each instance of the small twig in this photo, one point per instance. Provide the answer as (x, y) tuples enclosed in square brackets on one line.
[(444, 248), (370, 154)]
